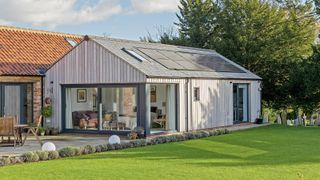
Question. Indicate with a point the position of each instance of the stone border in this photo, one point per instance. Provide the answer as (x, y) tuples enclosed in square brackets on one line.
[(36, 156)]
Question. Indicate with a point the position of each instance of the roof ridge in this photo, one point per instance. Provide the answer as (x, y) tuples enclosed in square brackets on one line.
[(150, 43), (13, 28)]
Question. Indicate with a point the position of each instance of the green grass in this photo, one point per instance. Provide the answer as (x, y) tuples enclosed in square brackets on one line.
[(272, 152)]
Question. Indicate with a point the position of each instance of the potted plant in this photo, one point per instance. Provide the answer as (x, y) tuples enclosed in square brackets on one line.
[(139, 131), (54, 131), (133, 135), (259, 120), (48, 131), (46, 112), (42, 130)]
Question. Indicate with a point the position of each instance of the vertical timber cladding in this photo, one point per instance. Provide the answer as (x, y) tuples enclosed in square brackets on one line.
[(37, 94), (215, 107), (88, 63)]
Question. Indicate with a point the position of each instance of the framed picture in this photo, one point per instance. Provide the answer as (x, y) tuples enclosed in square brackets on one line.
[(81, 95), (153, 93)]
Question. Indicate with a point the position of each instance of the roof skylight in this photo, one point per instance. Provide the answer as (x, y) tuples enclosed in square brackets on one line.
[(72, 42), (134, 54)]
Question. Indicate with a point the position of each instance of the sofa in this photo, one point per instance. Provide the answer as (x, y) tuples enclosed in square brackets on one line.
[(85, 119)]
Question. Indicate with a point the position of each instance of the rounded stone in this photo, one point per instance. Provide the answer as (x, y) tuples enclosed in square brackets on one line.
[(48, 146), (114, 139)]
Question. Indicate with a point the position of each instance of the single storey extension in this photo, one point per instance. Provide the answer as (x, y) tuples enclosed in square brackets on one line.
[(106, 85)]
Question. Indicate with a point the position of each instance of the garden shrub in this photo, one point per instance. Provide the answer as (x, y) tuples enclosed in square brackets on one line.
[(43, 155), (98, 148), (110, 147), (88, 149), (68, 151), (4, 161), (53, 155), (31, 157)]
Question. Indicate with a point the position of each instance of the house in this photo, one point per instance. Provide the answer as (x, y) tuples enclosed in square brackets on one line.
[(106, 85), (24, 56)]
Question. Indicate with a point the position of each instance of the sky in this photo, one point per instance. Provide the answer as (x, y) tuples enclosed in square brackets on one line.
[(127, 19)]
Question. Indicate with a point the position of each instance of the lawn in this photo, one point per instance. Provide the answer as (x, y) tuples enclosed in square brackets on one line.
[(273, 152)]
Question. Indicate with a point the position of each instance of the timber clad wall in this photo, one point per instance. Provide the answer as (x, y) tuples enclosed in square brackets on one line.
[(88, 63), (215, 107), (36, 82)]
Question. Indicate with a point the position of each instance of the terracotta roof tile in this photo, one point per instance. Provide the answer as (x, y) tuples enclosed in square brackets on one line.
[(25, 51)]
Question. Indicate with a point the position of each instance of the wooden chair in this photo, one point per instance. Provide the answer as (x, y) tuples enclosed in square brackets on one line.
[(34, 130), (7, 129)]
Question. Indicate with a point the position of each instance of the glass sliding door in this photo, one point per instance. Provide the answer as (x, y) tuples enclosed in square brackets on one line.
[(163, 107), (240, 103), (118, 108), (81, 108), (101, 108), (16, 100)]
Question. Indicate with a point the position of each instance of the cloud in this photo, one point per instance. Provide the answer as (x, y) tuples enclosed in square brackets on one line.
[(56, 12), (155, 6)]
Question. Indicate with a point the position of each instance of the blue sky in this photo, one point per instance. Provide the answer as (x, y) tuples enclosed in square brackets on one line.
[(128, 19)]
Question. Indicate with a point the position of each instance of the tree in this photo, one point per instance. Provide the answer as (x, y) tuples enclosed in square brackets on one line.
[(305, 83), (266, 37)]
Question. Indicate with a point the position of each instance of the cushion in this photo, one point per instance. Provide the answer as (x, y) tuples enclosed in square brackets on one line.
[(85, 116), (93, 115)]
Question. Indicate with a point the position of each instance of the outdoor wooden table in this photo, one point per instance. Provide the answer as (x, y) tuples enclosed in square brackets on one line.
[(19, 128), (31, 130)]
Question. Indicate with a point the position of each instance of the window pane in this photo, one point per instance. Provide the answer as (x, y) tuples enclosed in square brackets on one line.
[(119, 108), (81, 111)]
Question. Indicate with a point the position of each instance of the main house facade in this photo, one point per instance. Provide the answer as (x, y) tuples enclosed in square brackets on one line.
[(24, 56), (104, 85)]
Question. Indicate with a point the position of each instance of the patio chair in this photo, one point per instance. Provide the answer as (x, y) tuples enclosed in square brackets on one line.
[(34, 130), (7, 129)]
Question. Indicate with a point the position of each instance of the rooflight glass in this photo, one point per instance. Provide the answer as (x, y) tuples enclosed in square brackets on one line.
[(72, 42), (136, 55)]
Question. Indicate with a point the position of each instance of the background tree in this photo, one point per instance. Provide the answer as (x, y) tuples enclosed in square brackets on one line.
[(267, 37)]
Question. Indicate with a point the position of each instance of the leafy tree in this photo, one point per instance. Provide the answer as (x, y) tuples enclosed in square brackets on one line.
[(267, 37), (305, 83)]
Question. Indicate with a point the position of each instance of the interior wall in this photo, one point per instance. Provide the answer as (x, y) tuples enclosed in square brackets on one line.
[(161, 97), (82, 106)]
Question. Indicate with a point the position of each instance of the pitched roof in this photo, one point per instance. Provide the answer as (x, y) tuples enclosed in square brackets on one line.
[(26, 51), (160, 60)]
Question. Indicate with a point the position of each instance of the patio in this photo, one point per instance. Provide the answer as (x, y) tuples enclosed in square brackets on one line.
[(62, 140)]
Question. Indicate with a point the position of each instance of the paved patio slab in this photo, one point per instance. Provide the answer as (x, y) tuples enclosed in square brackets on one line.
[(60, 141)]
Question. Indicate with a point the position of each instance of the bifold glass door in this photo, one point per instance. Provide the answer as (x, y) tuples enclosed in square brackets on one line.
[(101, 108), (16, 100), (240, 103), (163, 107)]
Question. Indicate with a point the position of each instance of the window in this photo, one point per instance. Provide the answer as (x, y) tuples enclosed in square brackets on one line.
[(71, 42), (196, 94), (134, 54)]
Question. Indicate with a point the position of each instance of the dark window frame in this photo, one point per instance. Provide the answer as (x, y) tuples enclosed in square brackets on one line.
[(196, 94)]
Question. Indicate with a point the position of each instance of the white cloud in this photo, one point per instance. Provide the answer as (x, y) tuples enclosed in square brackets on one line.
[(52, 13), (155, 6)]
